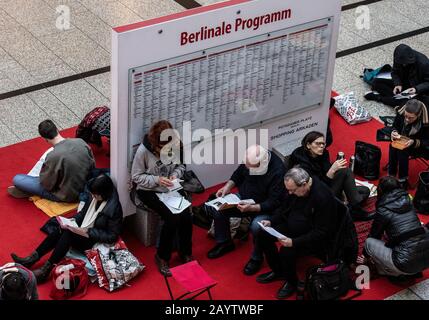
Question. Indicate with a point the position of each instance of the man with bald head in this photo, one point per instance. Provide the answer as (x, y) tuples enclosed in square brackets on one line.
[(260, 178)]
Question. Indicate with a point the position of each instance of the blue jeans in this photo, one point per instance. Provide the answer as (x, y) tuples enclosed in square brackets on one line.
[(222, 227), (32, 186)]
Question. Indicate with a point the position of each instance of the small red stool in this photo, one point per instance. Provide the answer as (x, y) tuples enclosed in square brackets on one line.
[(193, 278)]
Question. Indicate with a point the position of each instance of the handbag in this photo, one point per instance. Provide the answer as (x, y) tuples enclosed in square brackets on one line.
[(191, 183), (115, 265), (421, 198), (367, 160), (70, 279), (384, 134), (328, 281)]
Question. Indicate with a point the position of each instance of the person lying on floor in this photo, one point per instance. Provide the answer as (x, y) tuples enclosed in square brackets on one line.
[(151, 174), (100, 220), (260, 178), (406, 253), (64, 172), (307, 218), (410, 71), (17, 283), (411, 121), (313, 157)]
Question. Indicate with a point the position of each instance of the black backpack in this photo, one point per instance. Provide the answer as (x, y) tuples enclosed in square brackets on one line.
[(421, 199), (367, 160)]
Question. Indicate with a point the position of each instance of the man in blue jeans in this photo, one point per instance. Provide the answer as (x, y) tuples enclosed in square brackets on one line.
[(64, 172), (259, 179)]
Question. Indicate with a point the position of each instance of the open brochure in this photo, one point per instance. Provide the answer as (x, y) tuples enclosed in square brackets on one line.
[(370, 186), (176, 185), (404, 95), (229, 201), (174, 201), (64, 222), (272, 231), (35, 172)]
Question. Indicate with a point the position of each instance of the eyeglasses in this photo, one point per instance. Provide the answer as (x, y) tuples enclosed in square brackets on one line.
[(319, 144)]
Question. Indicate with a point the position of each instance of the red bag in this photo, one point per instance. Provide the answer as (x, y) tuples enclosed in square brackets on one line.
[(70, 279)]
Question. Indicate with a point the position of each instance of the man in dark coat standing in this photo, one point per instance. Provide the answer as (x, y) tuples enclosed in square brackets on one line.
[(410, 71)]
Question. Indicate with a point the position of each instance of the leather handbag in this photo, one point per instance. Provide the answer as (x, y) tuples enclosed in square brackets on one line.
[(367, 160)]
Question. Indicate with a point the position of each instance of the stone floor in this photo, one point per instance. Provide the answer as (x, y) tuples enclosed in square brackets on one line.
[(34, 50)]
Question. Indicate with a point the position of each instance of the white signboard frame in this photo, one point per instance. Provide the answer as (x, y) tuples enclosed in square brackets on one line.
[(164, 39)]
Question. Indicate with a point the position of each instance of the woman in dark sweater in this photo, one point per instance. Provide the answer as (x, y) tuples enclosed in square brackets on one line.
[(100, 220), (411, 121), (313, 157), (407, 249)]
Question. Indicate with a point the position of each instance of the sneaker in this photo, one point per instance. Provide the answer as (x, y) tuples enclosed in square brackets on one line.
[(372, 95), (16, 193)]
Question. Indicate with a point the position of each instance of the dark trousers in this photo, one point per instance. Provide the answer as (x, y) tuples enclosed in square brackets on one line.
[(174, 224), (398, 159), (344, 180), (283, 261), (61, 241), (385, 88)]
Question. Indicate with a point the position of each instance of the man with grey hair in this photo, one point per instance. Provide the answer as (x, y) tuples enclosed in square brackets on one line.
[(306, 219), (260, 178)]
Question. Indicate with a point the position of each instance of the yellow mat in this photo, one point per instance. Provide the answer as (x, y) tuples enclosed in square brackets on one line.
[(52, 208)]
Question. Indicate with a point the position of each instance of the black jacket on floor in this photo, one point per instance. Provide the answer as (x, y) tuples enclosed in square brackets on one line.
[(410, 69), (396, 217)]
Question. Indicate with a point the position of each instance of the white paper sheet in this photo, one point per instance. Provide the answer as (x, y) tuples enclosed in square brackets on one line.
[(174, 201), (272, 231), (35, 171)]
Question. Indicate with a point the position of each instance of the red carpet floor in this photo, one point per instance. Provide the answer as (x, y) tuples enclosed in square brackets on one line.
[(20, 221)]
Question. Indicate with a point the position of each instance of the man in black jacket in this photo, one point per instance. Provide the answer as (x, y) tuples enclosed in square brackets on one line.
[(307, 220), (259, 179), (410, 71)]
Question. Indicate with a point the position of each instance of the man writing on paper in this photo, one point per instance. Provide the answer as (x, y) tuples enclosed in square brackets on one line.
[(260, 178), (64, 172), (306, 218)]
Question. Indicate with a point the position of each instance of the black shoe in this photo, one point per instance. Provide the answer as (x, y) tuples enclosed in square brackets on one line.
[(372, 96), (364, 193), (220, 249), (269, 277), (26, 261), (163, 267), (42, 274), (286, 291), (252, 266), (359, 214)]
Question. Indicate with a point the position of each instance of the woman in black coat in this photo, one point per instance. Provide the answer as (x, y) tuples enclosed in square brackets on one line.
[(313, 157), (100, 220), (407, 249), (410, 71), (411, 121)]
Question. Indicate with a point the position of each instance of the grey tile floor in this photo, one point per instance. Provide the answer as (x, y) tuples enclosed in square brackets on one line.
[(33, 50)]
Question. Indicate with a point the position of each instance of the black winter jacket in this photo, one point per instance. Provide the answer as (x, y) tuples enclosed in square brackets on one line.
[(395, 216), (316, 167), (267, 190), (315, 214), (415, 73), (108, 224)]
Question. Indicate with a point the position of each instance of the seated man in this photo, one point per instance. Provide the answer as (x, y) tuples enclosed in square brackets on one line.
[(306, 219), (17, 283), (260, 179), (410, 71), (64, 172)]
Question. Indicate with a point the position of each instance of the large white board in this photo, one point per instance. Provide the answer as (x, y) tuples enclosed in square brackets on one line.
[(259, 64)]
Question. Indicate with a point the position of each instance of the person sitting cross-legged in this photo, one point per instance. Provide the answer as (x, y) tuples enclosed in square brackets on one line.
[(307, 219), (260, 178), (100, 220)]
